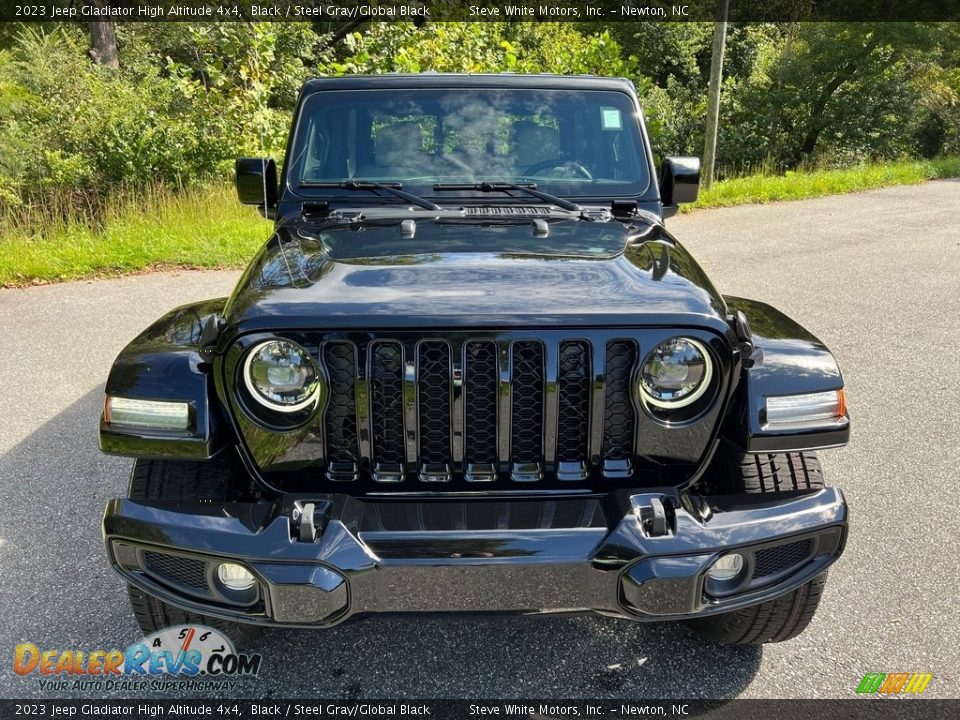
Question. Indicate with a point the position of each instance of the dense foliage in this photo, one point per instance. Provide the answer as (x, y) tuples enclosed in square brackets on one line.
[(189, 98), (806, 94)]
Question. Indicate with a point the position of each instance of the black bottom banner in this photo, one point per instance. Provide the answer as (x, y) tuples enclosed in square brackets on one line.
[(854, 709)]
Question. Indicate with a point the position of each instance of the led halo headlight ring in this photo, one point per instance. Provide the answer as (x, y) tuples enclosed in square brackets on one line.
[(313, 394), (699, 391)]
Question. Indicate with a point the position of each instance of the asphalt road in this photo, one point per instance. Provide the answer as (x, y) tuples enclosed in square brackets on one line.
[(875, 275)]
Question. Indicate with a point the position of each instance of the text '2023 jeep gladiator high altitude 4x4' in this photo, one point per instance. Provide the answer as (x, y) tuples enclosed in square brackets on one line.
[(471, 370)]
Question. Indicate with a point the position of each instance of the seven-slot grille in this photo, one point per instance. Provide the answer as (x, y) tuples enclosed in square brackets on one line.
[(481, 410)]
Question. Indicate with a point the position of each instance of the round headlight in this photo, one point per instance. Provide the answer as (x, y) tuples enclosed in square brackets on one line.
[(675, 374), (282, 376)]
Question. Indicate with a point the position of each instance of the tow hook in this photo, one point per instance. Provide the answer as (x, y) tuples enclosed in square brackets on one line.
[(308, 518), (655, 517)]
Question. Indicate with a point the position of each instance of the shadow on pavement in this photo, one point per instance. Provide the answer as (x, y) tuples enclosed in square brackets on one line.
[(59, 594)]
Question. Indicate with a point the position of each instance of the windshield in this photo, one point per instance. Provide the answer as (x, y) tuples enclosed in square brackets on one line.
[(573, 143)]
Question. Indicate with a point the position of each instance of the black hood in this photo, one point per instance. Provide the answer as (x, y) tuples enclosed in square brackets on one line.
[(475, 272)]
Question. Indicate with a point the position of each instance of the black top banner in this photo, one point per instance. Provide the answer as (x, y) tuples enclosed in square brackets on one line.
[(602, 11)]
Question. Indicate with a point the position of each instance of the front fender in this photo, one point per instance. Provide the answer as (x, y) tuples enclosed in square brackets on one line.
[(164, 363), (787, 360)]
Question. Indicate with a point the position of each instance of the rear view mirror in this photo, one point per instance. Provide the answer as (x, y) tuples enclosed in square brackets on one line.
[(257, 183), (679, 182)]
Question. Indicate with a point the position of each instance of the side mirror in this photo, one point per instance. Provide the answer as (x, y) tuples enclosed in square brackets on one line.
[(679, 182), (257, 183)]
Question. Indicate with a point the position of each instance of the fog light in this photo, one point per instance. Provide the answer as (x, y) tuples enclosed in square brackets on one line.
[(726, 567), (235, 577)]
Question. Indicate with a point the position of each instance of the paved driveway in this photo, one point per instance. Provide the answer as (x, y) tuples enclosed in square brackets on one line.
[(875, 275)]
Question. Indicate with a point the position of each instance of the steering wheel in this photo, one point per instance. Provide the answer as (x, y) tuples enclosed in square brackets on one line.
[(559, 163)]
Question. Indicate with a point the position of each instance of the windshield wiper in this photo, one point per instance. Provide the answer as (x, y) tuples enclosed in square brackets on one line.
[(530, 188), (394, 188)]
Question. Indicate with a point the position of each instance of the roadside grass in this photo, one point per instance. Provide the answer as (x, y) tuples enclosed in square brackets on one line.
[(207, 227), (159, 229), (753, 189)]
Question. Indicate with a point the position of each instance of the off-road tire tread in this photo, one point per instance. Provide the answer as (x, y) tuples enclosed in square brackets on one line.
[(182, 481), (777, 620), (774, 472), (179, 480), (153, 615), (787, 616)]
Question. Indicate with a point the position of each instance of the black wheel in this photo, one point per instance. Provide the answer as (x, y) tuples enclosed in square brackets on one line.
[(787, 616), (180, 480)]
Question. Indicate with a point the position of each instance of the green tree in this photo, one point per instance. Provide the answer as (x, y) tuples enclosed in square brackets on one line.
[(482, 47), (829, 93)]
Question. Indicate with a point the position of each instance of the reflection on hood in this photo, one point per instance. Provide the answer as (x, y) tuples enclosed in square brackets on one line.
[(470, 271)]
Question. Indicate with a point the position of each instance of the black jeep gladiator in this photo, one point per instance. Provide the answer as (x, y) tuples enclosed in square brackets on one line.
[(471, 371)]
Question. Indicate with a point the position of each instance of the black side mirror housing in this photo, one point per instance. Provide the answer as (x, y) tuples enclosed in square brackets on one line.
[(679, 182), (257, 183)]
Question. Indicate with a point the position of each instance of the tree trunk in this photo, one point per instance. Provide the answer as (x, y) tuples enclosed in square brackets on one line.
[(816, 115), (817, 121), (103, 39)]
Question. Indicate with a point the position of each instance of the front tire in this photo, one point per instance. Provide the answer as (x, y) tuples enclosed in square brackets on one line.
[(785, 617), (776, 620), (154, 615), (190, 481)]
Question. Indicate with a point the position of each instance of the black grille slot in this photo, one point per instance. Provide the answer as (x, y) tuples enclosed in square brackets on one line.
[(341, 418), (573, 397), (386, 398), (480, 402), (775, 560), (433, 397), (618, 414), (177, 570), (527, 402)]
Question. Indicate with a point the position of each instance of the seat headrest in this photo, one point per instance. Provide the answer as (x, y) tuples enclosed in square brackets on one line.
[(534, 143), (395, 143)]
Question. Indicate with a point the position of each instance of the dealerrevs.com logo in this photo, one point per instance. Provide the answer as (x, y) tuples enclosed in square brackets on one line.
[(894, 683), (194, 654)]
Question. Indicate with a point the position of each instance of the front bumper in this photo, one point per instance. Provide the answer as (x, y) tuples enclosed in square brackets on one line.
[(531, 554)]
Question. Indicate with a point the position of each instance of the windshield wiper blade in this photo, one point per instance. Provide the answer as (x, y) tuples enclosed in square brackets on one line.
[(394, 188), (530, 188)]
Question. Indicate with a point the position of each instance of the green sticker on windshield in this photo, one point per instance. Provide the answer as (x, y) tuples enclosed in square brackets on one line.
[(611, 118)]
